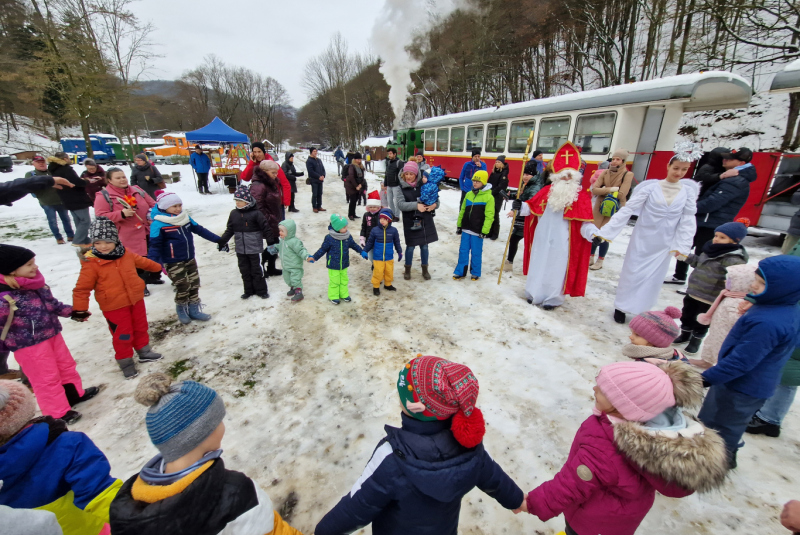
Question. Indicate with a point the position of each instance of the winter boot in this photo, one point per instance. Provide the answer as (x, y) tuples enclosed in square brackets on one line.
[(390, 288), (508, 266), (146, 354), (425, 274), (291, 292), (376, 291), (675, 280), (334, 301), (146, 291), (128, 367), (71, 417), (347, 299), (619, 316), (474, 278), (246, 296), (298, 295), (72, 394), (683, 338), (694, 344), (407, 272), (195, 314), (757, 426), (597, 265), (264, 295), (183, 313)]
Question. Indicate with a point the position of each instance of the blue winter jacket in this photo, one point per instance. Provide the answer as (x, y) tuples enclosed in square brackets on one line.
[(200, 162), (174, 243), (338, 155), (383, 241), (465, 179), (337, 249), (414, 482), (763, 339), (720, 203), (315, 168)]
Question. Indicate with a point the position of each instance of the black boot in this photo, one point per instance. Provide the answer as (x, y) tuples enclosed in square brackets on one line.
[(376, 291), (694, 344), (683, 338), (619, 316), (757, 426), (72, 394)]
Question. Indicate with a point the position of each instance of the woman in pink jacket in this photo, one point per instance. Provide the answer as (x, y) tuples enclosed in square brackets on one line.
[(637, 442)]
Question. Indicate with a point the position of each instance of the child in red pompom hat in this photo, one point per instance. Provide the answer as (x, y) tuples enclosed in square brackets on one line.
[(418, 474)]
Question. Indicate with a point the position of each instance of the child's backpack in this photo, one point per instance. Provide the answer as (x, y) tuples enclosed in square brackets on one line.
[(610, 204)]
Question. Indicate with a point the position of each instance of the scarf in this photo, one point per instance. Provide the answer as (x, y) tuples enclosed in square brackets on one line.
[(144, 167), (118, 251), (341, 236), (714, 250), (653, 355), (31, 284), (177, 220), (614, 177), (705, 319), (412, 184), (153, 472)]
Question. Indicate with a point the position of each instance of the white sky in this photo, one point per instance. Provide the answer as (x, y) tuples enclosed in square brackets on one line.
[(271, 37)]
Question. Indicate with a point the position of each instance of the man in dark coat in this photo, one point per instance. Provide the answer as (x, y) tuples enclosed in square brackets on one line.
[(291, 175), (74, 199), (354, 184), (394, 168), (146, 176), (316, 172)]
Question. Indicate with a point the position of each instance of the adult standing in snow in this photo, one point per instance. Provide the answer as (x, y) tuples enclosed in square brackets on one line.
[(339, 157), (664, 229), (721, 202), (391, 180), (74, 199), (316, 174), (48, 197), (354, 184), (266, 190), (558, 230), (616, 179), (94, 176), (146, 176), (291, 173), (465, 179), (419, 229), (499, 182), (424, 168), (258, 155), (532, 183), (201, 164)]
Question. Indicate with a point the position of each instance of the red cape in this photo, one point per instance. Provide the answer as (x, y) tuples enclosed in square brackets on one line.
[(286, 188), (579, 249)]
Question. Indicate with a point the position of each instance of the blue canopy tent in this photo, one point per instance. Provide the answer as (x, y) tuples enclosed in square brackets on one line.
[(216, 132)]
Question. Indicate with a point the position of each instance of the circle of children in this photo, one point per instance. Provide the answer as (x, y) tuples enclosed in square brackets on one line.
[(640, 438)]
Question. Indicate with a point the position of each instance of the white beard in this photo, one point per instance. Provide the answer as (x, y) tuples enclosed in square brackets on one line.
[(564, 192)]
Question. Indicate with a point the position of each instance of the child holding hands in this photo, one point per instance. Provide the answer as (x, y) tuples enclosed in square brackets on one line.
[(382, 242), (337, 245), (292, 253), (371, 218)]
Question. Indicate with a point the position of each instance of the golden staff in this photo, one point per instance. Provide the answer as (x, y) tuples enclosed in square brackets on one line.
[(519, 193)]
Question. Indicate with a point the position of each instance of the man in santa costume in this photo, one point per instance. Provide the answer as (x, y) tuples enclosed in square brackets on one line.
[(558, 232)]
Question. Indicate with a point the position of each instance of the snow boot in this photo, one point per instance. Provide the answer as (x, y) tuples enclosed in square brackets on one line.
[(334, 301), (683, 338), (183, 313), (425, 274), (146, 291), (757, 426), (407, 273), (128, 367), (291, 291), (675, 280), (246, 296), (376, 291), (597, 265), (694, 344), (71, 417), (196, 314), (508, 266), (264, 296), (619, 316), (548, 307), (146, 354), (298, 295), (60, 242), (346, 299), (72, 394), (390, 288), (474, 278)]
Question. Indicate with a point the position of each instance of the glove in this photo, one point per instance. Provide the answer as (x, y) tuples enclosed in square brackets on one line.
[(362, 241), (458, 231), (80, 315), (516, 205), (271, 249), (223, 248), (310, 259), (399, 256), (706, 384), (481, 236), (364, 255)]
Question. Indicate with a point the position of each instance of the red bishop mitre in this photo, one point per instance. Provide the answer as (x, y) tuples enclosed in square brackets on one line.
[(568, 156)]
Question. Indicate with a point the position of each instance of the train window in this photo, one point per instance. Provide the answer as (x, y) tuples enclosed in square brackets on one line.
[(430, 137), (518, 139), (442, 136), (552, 134), (496, 137), (457, 139), (475, 137), (593, 132)]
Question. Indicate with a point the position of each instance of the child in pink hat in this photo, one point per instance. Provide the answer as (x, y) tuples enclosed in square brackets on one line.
[(652, 333), (611, 476)]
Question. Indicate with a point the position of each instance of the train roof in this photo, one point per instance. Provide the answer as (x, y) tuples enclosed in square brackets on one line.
[(787, 80), (711, 90)]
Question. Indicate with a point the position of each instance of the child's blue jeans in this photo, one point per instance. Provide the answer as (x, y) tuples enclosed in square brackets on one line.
[(728, 412), (469, 244)]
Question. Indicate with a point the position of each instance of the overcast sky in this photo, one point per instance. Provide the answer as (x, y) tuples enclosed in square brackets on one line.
[(271, 37)]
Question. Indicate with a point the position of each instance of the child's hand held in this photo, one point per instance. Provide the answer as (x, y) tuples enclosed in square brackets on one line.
[(364, 255)]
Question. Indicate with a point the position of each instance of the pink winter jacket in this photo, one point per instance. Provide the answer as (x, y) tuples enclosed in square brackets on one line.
[(599, 491), (133, 231)]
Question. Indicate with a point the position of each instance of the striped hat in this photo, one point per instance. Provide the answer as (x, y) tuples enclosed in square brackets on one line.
[(181, 415), (657, 327), (167, 199)]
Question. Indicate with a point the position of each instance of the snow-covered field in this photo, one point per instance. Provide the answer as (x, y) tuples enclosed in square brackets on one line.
[(309, 386)]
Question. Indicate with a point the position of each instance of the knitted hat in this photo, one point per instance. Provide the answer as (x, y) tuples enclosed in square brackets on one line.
[(622, 154), (181, 415), (536, 153), (387, 214), (338, 222), (357, 156), (638, 390), (167, 199), (243, 194), (13, 257), (411, 167), (657, 327), (734, 230), (501, 158), (268, 165), (142, 157), (481, 175), (374, 198), (476, 152), (17, 407), (61, 155), (102, 228), (258, 145), (446, 389), (89, 161)]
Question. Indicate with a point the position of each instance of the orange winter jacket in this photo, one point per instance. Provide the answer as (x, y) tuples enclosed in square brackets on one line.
[(115, 282)]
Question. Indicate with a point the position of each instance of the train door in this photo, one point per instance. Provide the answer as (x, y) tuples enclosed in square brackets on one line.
[(648, 139)]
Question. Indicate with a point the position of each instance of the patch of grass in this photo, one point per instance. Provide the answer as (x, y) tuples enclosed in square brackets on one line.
[(178, 368), (250, 383), (239, 394), (237, 356)]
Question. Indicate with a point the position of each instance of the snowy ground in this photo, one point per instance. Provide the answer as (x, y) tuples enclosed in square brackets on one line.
[(309, 386)]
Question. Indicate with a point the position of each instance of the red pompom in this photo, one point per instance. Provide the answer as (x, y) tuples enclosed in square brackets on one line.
[(469, 431)]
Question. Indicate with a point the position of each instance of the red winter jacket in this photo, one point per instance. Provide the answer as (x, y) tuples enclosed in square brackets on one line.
[(286, 188), (617, 495)]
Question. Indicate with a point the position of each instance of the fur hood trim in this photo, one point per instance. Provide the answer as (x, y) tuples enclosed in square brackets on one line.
[(687, 383), (693, 458), (59, 161)]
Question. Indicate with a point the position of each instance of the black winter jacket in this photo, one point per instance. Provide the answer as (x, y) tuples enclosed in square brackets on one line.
[(407, 197), (499, 182), (13, 190), (290, 171), (315, 168), (393, 170), (415, 481), (149, 179), (721, 203), (708, 174), (368, 222), (249, 228), (72, 198)]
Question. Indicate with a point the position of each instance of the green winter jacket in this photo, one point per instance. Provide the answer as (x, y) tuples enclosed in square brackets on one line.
[(48, 196), (708, 278), (477, 211), (291, 250)]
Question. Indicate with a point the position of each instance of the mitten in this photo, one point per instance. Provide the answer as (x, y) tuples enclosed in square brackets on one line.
[(80, 315), (364, 255), (400, 256), (362, 241), (458, 231), (223, 247), (271, 249), (310, 259), (516, 205)]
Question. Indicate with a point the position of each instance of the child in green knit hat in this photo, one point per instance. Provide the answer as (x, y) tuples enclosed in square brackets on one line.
[(337, 245)]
